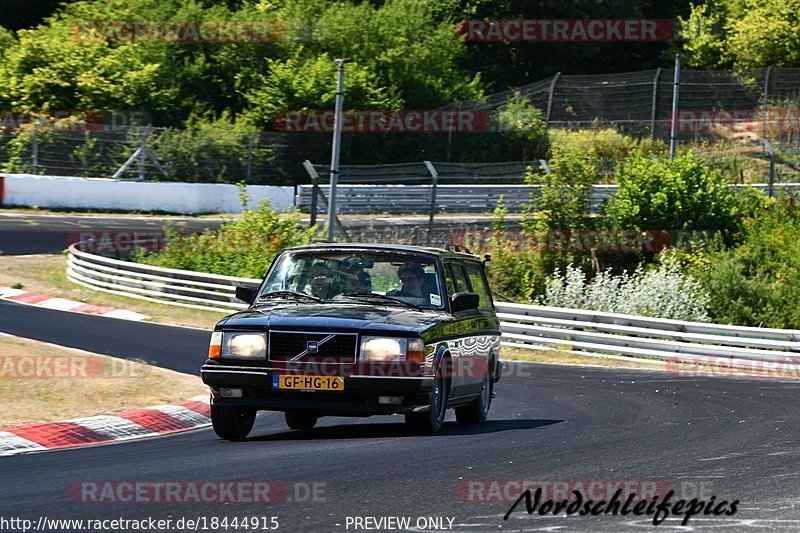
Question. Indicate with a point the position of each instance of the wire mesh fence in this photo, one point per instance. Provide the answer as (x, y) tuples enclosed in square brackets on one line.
[(763, 103)]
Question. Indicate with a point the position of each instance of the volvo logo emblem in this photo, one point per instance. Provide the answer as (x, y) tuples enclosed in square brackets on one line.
[(312, 347)]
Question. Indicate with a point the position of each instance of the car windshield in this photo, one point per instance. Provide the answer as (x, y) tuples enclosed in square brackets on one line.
[(334, 276)]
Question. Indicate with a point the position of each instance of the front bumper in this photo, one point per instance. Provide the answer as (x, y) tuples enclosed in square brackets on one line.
[(360, 396)]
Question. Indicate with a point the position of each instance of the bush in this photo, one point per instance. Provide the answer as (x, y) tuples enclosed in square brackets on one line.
[(514, 272), (607, 147), (209, 151), (662, 292), (758, 282), (242, 248), (606, 144), (563, 195), (523, 129), (684, 194)]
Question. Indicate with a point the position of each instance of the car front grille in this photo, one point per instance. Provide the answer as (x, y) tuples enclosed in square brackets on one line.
[(285, 346)]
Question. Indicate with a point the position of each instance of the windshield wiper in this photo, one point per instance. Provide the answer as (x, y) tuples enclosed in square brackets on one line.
[(381, 297), (290, 293)]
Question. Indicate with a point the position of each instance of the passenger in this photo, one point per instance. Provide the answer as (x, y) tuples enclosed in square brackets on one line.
[(355, 280), (412, 277), (322, 284)]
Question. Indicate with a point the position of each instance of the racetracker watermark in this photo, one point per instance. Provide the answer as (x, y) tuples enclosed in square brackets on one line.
[(160, 492), (777, 121), (626, 241), (718, 367), (72, 366), (171, 31), (118, 242), (61, 120), (566, 30), (72, 120), (385, 121), (462, 368), (509, 490)]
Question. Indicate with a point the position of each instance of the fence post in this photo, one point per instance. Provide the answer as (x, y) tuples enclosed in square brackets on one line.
[(654, 106), (550, 96), (676, 83), (35, 148), (249, 170), (434, 185), (142, 154), (312, 172), (772, 156), (766, 95)]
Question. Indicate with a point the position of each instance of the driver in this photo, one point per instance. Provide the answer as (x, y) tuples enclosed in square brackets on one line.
[(321, 281), (412, 278)]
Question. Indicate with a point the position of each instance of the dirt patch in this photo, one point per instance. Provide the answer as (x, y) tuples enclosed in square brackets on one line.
[(42, 383)]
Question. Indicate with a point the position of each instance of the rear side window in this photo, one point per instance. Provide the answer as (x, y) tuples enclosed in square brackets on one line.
[(479, 285), (459, 278)]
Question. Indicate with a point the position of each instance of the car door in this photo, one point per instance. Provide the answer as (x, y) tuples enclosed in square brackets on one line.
[(465, 353), (485, 326)]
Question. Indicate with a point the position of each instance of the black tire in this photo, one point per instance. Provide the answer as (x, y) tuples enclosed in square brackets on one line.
[(477, 411), (300, 420), (231, 422), (431, 420)]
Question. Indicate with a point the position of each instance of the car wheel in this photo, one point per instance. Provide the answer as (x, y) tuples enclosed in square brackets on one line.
[(300, 420), (431, 420), (231, 422), (477, 411)]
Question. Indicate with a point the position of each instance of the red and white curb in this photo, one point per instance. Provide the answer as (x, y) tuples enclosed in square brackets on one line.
[(60, 304), (153, 421)]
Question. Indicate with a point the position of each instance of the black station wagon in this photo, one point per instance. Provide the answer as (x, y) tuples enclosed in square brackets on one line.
[(358, 330)]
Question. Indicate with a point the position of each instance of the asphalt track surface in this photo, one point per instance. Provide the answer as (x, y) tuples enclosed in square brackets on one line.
[(732, 439), (47, 234)]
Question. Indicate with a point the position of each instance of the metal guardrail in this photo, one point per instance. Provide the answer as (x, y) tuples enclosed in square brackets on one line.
[(360, 199), (530, 326), (526, 326), (163, 285), (363, 199)]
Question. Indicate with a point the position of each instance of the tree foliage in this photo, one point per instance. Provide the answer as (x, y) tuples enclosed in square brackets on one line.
[(405, 52), (743, 34)]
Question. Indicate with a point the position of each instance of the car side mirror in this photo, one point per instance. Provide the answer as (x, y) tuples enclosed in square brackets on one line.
[(464, 301), (246, 293)]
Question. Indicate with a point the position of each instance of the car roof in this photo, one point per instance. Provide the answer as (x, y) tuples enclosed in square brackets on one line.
[(380, 247)]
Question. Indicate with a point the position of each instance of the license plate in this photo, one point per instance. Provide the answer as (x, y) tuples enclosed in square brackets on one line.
[(295, 382)]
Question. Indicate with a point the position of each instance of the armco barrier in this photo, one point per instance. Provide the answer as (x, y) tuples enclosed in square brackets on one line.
[(101, 193), (361, 199), (530, 326), (164, 285), (526, 326)]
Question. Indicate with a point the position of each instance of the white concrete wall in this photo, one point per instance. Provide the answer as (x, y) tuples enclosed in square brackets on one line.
[(100, 193)]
